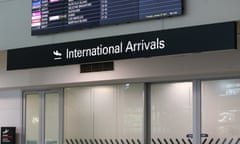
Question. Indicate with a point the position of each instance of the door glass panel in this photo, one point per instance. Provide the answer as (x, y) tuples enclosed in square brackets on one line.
[(171, 112), (32, 118), (51, 118), (221, 111), (130, 111), (78, 116), (104, 104)]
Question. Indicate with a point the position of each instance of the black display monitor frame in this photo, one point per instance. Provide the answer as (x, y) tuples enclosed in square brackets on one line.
[(52, 16)]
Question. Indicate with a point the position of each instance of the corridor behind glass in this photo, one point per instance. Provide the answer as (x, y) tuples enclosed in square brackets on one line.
[(103, 113), (221, 111)]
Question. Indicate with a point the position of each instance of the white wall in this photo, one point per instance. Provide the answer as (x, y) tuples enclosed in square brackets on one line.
[(15, 26)]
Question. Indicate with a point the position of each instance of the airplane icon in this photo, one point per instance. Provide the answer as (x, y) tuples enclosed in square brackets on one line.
[(57, 54), (5, 131)]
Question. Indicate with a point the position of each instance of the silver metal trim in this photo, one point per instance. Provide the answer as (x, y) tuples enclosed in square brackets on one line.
[(196, 113), (147, 113)]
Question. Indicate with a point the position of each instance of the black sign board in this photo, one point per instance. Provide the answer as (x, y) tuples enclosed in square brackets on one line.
[(8, 135), (210, 37)]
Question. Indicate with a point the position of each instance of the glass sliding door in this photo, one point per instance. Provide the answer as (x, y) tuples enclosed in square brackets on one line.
[(221, 111), (52, 115), (171, 112), (32, 118), (108, 114), (43, 117)]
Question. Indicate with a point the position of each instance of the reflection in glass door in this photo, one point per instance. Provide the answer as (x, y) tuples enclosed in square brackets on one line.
[(221, 111), (42, 117), (171, 112)]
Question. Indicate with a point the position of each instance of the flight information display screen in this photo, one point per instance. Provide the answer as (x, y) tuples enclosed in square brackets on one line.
[(50, 16)]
